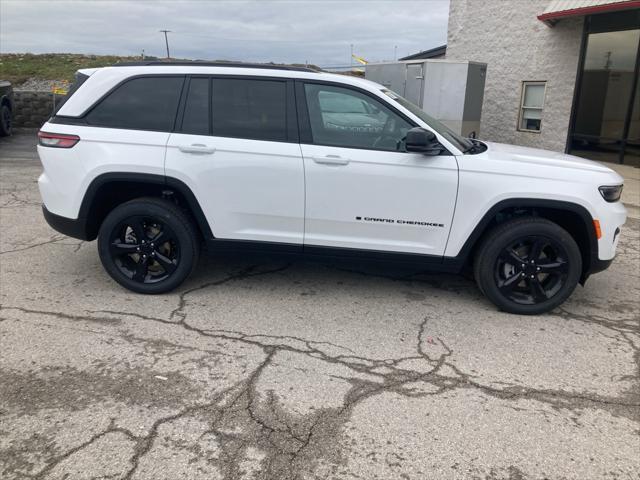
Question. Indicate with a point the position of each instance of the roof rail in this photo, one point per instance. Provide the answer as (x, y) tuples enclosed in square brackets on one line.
[(197, 63)]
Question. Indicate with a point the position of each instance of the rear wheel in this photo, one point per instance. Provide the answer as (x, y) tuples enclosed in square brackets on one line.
[(148, 245), (5, 121), (528, 266)]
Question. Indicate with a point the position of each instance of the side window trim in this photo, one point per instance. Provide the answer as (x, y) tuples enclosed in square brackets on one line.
[(291, 113), (183, 103), (177, 124), (304, 122)]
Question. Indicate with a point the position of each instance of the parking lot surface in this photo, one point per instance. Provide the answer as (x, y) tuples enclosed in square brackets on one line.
[(271, 368)]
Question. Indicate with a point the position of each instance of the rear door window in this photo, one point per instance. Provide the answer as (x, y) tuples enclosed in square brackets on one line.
[(196, 109), (248, 108), (145, 103)]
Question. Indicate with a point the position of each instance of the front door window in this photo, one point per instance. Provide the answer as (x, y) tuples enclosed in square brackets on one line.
[(342, 117)]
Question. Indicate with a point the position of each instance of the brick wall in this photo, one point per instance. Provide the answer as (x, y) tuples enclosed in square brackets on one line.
[(518, 47), (32, 109)]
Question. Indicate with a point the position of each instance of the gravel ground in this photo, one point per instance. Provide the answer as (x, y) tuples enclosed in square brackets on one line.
[(37, 85), (266, 368)]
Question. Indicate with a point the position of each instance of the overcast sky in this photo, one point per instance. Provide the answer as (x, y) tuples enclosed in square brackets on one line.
[(292, 31)]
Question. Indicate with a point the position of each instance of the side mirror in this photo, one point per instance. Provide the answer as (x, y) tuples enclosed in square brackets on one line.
[(422, 141)]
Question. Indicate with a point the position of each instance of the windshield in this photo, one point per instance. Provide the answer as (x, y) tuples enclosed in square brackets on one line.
[(463, 144)]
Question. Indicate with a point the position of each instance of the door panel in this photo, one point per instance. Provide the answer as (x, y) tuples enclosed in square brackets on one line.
[(249, 183), (248, 189), (392, 201), (363, 190)]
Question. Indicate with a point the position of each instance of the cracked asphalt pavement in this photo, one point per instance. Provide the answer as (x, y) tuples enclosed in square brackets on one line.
[(268, 368)]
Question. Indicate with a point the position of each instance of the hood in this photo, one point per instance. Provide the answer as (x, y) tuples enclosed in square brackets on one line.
[(536, 156)]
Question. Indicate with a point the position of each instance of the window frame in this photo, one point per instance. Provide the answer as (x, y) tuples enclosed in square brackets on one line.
[(304, 123), (181, 98), (521, 109), (182, 108)]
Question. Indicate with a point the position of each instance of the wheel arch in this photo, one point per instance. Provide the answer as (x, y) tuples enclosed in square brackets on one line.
[(573, 217), (109, 190), (6, 100)]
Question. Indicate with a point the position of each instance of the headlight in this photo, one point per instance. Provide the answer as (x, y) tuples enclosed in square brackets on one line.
[(611, 193)]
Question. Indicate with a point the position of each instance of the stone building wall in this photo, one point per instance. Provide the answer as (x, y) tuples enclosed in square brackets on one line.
[(518, 47)]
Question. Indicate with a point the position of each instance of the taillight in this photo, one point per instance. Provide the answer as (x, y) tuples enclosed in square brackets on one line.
[(57, 140)]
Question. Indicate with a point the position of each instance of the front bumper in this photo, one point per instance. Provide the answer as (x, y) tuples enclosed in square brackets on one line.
[(599, 265)]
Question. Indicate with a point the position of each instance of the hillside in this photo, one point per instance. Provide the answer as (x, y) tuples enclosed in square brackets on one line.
[(19, 68)]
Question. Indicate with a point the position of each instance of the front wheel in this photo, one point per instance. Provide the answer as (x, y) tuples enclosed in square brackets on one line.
[(528, 266), (148, 245)]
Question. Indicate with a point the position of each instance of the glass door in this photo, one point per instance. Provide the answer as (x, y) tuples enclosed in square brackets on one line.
[(607, 102), (632, 150)]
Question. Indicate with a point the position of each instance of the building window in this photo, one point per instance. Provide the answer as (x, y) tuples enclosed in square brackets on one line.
[(531, 106)]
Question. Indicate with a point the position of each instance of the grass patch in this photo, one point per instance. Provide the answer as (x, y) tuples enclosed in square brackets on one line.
[(19, 67)]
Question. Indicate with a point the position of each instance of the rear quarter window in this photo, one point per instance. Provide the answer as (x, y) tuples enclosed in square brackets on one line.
[(80, 78), (146, 103)]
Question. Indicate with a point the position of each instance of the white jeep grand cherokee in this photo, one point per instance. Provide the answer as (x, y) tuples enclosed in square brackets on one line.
[(152, 159)]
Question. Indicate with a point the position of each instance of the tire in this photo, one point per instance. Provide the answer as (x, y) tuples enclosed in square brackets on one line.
[(5, 121), (148, 245), (527, 266)]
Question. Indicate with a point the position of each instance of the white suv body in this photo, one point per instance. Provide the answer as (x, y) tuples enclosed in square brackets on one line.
[(317, 163)]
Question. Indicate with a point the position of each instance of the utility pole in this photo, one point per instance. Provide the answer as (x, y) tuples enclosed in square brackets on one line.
[(351, 58), (395, 53), (166, 41)]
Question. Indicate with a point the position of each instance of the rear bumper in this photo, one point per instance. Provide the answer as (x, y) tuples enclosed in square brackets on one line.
[(72, 227)]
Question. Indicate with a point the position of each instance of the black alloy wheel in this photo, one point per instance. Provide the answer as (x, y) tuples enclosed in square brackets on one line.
[(148, 245), (531, 270), (144, 249), (528, 265)]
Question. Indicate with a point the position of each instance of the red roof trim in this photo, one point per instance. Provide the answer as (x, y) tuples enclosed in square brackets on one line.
[(609, 7)]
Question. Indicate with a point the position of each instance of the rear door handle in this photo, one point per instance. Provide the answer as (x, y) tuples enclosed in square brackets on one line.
[(196, 148), (331, 160)]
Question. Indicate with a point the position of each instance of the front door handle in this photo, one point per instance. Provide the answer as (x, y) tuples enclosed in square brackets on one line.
[(196, 148), (331, 160)]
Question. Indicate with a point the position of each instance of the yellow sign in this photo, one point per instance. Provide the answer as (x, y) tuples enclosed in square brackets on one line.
[(61, 88), (359, 59)]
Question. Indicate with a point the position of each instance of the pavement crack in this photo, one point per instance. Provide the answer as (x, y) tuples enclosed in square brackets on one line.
[(53, 463), (241, 275), (28, 247)]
